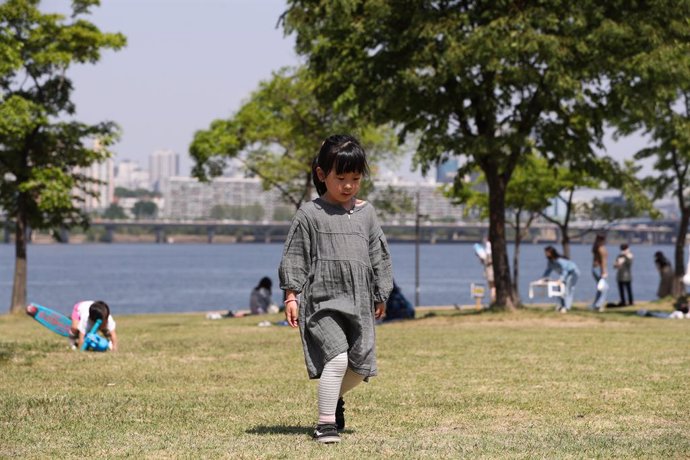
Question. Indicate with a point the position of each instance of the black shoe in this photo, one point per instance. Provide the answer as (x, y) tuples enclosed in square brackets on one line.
[(340, 415), (326, 433)]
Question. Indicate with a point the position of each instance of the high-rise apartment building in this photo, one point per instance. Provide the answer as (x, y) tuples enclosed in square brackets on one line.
[(187, 198), (129, 175), (163, 164), (103, 192)]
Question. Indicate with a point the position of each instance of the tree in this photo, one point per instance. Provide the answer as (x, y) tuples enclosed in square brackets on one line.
[(144, 209), (41, 146), (635, 199), (115, 212), (277, 133), (487, 81), (391, 202), (652, 91), (529, 193), (122, 192)]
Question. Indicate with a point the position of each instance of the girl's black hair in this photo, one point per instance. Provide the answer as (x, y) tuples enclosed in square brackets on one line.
[(598, 241), (265, 282), (341, 152), (661, 259), (554, 254), (99, 310)]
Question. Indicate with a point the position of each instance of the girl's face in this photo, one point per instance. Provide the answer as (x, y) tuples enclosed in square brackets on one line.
[(340, 188)]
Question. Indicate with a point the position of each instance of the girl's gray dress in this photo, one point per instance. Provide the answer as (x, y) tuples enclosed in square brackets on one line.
[(341, 264)]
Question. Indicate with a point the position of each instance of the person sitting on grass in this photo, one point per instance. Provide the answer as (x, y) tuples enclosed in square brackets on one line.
[(397, 306), (260, 300)]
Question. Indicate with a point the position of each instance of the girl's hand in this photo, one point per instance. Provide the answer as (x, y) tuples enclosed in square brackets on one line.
[(291, 312), (379, 310)]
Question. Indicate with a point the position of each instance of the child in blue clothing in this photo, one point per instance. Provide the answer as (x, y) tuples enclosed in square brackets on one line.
[(569, 273)]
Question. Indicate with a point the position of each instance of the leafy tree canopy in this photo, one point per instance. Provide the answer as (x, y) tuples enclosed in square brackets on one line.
[(277, 133), (489, 82), (43, 149)]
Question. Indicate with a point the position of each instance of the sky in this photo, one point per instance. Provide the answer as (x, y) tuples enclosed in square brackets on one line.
[(187, 63)]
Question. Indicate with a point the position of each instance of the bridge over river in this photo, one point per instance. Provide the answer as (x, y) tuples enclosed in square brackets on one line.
[(634, 231)]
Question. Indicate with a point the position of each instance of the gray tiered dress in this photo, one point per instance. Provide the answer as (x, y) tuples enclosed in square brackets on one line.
[(341, 264)]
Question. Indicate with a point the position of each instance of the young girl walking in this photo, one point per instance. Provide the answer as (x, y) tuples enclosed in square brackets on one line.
[(336, 256)]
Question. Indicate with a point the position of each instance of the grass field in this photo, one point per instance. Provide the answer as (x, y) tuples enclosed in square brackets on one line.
[(531, 384)]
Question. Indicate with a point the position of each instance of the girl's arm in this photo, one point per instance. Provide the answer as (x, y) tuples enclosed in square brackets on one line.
[(295, 265), (379, 310), (291, 307), (379, 255), (603, 255), (548, 270), (113, 339)]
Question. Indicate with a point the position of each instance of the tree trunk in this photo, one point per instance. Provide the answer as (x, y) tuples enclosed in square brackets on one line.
[(20, 263), (497, 236), (565, 241), (678, 286)]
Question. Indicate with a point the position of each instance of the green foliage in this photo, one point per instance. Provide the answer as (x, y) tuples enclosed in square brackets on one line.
[(277, 133), (114, 211), (41, 146), (652, 94), (144, 209), (489, 82), (253, 212), (283, 213), (121, 192), (477, 80), (391, 202)]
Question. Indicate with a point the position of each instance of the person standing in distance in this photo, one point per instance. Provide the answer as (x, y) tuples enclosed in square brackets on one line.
[(337, 259), (623, 265), (599, 263)]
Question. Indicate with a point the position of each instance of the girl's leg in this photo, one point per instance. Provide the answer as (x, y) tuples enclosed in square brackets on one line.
[(621, 291), (600, 297), (351, 380), (570, 282), (628, 286), (329, 387)]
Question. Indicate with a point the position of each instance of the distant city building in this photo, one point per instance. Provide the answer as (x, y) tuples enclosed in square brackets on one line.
[(668, 208), (128, 204), (163, 164), (224, 197), (234, 167), (432, 203), (102, 193), (186, 198), (447, 170), (129, 175)]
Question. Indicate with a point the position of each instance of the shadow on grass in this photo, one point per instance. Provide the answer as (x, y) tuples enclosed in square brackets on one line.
[(280, 429), (285, 429)]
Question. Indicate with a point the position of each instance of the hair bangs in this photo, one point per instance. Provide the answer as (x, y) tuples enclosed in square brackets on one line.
[(350, 159)]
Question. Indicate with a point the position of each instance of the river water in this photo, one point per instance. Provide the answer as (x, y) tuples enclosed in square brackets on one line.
[(156, 278)]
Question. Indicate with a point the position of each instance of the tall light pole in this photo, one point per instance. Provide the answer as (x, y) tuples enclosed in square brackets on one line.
[(417, 243), (416, 251)]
